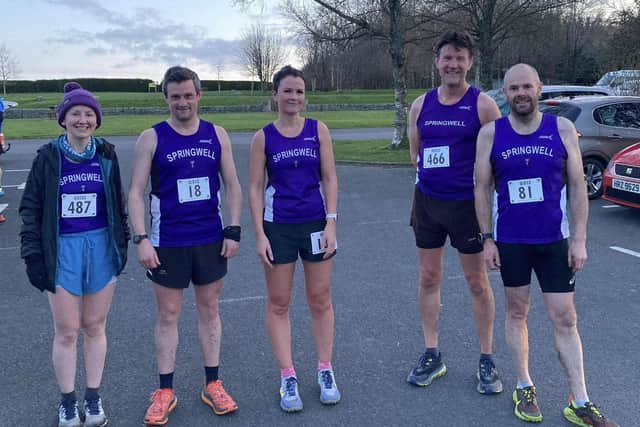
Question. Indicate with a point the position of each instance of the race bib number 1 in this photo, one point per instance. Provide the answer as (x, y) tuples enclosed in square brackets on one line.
[(435, 157), (78, 205), (193, 189), (525, 190)]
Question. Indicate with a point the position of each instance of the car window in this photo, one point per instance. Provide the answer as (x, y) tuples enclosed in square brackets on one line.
[(569, 111), (570, 94), (624, 115)]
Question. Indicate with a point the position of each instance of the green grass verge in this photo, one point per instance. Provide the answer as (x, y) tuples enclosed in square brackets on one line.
[(156, 99), (375, 151), (133, 125)]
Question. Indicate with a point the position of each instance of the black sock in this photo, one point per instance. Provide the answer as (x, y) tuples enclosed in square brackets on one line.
[(484, 356), (166, 380), (433, 350), (92, 393), (211, 373), (69, 399)]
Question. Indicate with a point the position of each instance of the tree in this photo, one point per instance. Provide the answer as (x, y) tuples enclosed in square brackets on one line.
[(398, 23), (624, 46), (491, 22), (8, 67), (263, 52)]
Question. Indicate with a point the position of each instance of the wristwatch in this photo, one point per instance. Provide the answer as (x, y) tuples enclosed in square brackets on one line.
[(484, 236), (137, 238), (333, 216)]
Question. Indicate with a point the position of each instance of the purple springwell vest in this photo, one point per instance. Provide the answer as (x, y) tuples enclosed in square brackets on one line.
[(82, 196), (530, 182), (293, 193), (184, 202), (447, 151)]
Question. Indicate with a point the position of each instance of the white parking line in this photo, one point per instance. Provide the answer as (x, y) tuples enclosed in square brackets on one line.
[(17, 170), (10, 248), (625, 251), (610, 206), (3, 206), (243, 299), (18, 186), (379, 222)]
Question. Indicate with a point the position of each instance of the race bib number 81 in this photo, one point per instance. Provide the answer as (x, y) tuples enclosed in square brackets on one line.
[(193, 189), (525, 190), (435, 157), (78, 205)]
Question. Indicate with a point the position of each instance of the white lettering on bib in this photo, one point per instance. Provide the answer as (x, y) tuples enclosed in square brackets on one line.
[(435, 157), (525, 190), (79, 205), (193, 189)]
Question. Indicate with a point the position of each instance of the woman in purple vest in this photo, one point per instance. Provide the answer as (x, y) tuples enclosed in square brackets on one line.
[(295, 215), (74, 243)]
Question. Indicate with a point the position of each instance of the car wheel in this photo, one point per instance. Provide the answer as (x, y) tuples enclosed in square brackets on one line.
[(593, 171)]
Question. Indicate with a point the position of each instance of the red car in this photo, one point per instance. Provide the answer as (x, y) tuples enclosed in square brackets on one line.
[(621, 180)]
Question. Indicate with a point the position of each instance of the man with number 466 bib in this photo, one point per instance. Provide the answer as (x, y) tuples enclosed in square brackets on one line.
[(187, 159), (533, 162), (443, 127)]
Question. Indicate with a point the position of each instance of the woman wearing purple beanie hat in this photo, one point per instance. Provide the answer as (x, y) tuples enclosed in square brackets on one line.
[(74, 242)]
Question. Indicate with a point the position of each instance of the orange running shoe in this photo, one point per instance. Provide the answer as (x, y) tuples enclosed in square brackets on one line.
[(215, 396), (163, 401)]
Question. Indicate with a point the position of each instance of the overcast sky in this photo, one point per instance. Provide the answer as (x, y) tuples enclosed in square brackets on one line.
[(127, 38)]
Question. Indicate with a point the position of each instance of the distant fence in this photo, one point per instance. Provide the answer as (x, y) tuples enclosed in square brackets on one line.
[(50, 113)]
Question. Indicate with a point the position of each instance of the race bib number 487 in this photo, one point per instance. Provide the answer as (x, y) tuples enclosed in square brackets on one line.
[(525, 190), (78, 205), (435, 157), (193, 189)]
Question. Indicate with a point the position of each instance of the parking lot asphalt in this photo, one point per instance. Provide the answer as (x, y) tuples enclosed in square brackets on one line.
[(378, 332)]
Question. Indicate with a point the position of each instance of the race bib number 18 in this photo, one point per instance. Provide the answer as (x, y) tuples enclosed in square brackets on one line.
[(193, 189), (435, 157), (525, 190), (316, 243), (78, 205)]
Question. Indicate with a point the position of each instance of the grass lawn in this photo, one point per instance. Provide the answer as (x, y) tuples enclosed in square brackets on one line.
[(156, 99), (375, 150), (133, 125)]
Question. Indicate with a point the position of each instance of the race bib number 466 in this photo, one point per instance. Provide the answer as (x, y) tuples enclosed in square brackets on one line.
[(78, 205), (435, 157), (525, 190), (193, 189)]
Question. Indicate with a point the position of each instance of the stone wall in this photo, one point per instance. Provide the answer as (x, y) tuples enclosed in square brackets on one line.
[(50, 113)]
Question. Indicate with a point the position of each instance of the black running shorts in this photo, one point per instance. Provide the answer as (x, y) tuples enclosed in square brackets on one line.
[(200, 264), (549, 261), (434, 219), (290, 240)]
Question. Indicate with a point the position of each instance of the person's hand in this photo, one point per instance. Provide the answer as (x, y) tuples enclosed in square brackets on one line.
[(229, 248), (577, 254), (147, 255), (491, 255), (329, 239), (263, 247)]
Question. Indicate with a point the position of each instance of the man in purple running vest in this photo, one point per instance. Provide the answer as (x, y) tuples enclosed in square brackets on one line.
[(443, 126), (533, 162), (186, 159)]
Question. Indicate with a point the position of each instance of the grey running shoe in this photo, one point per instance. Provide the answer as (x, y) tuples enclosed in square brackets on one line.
[(68, 416), (289, 397), (94, 414), (488, 380), (526, 405), (329, 393), (429, 368)]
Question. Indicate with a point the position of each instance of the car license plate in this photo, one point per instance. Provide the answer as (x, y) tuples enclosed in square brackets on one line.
[(631, 187)]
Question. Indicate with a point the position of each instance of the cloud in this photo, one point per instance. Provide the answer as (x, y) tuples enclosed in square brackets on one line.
[(146, 35)]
